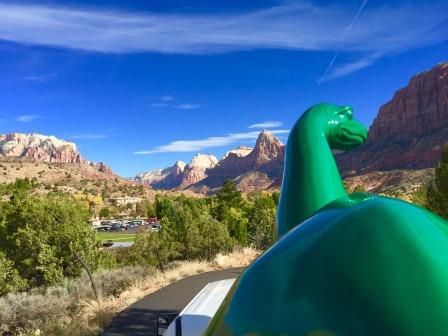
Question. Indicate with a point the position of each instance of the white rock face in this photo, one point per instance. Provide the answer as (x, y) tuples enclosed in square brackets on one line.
[(151, 176), (39, 147), (163, 178), (240, 151), (195, 171), (203, 161)]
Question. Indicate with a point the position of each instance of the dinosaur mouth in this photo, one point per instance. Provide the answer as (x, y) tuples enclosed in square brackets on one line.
[(353, 137), (349, 135)]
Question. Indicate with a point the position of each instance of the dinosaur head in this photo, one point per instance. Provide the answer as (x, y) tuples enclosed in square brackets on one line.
[(343, 132)]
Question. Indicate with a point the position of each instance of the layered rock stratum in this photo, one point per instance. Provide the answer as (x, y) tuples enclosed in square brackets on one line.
[(38, 147), (409, 130), (52, 161)]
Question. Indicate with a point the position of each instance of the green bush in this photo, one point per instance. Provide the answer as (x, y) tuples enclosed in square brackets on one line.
[(437, 192), (43, 235), (10, 279)]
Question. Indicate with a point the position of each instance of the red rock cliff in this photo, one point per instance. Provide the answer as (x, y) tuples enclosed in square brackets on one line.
[(409, 130)]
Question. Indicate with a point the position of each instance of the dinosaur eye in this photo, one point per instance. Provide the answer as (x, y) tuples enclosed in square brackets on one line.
[(346, 112)]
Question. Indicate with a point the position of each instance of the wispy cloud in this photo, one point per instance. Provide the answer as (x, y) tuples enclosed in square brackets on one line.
[(300, 25), (27, 117), (187, 106), (351, 67), (165, 98), (267, 124), (40, 77), (170, 101), (347, 30), (91, 136), (211, 142)]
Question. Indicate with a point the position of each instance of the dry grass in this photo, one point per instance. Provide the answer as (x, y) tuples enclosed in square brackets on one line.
[(146, 285), (71, 309)]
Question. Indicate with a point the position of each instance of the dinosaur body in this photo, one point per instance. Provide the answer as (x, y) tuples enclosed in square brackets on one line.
[(344, 264)]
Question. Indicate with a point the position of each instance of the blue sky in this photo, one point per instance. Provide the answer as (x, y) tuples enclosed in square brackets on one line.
[(141, 85)]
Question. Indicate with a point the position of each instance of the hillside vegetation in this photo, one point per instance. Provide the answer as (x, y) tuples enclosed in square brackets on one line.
[(48, 249)]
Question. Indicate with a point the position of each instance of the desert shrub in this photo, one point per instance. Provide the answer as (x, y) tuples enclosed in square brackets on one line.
[(32, 311), (45, 237), (10, 279), (261, 225)]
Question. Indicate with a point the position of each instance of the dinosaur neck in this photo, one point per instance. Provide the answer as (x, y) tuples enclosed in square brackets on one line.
[(311, 178)]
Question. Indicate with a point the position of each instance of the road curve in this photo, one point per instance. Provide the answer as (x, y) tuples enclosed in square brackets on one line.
[(140, 318)]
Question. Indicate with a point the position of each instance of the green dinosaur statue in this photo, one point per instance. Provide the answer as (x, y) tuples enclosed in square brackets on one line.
[(346, 265)]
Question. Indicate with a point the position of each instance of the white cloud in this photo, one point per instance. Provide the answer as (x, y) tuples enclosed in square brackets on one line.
[(211, 142), (91, 136), (165, 98), (27, 117), (40, 77), (267, 124), (300, 25), (187, 106), (351, 67)]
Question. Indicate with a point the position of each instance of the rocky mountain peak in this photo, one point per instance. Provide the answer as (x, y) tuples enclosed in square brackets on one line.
[(180, 165), (240, 151), (267, 147), (203, 161), (38, 147)]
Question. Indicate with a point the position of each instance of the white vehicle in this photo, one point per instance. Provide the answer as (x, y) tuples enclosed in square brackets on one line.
[(194, 319)]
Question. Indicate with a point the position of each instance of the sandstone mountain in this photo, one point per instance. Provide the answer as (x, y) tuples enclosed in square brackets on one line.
[(40, 148), (54, 163), (195, 171), (266, 157), (253, 169), (240, 151), (167, 178), (409, 130), (179, 176)]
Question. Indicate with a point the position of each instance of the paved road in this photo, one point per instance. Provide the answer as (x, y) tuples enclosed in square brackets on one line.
[(140, 318)]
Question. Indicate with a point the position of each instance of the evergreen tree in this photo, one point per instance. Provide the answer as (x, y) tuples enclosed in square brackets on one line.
[(437, 193), (104, 213)]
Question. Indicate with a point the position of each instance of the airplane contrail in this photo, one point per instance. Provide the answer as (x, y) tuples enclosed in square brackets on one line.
[(349, 27)]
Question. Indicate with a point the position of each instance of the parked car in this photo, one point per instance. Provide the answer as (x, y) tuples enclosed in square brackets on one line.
[(103, 228), (117, 227)]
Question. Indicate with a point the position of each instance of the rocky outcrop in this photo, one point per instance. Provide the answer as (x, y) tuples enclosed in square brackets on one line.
[(195, 171), (240, 151), (416, 110), (266, 157), (101, 167), (205, 172), (253, 181), (409, 131), (38, 147), (167, 178)]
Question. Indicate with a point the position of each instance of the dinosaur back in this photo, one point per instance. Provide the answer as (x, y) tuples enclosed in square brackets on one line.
[(360, 266)]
